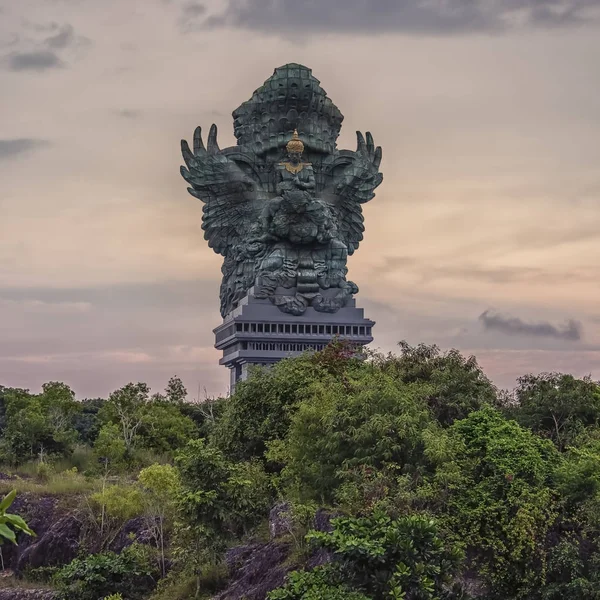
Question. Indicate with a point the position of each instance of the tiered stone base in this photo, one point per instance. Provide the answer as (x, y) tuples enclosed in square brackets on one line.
[(258, 333)]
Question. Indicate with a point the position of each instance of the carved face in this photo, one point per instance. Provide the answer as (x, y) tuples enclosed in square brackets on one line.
[(295, 157)]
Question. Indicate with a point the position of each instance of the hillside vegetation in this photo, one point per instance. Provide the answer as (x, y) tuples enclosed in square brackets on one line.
[(433, 483)]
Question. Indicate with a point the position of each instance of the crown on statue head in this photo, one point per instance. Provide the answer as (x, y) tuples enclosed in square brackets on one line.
[(295, 145), (291, 99)]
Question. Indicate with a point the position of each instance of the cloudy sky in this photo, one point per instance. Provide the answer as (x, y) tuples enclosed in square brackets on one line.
[(484, 236)]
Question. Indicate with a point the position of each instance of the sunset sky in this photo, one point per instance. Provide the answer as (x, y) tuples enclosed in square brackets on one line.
[(484, 236)]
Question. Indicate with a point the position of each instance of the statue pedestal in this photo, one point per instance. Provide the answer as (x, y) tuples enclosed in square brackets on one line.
[(258, 333)]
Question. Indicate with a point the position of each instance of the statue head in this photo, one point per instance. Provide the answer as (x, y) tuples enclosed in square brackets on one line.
[(295, 148), (297, 201)]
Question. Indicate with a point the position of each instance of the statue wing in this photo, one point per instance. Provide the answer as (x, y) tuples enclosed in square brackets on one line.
[(228, 192), (353, 177)]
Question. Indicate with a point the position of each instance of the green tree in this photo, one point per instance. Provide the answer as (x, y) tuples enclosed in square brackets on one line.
[(175, 391), (457, 385), (261, 407), (225, 498), (110, 448), (125, 407), (368, 418), (205, 414), (161, 486), (39, 424), (87, 422), (163, 428), (499, 501), (577, 478), (557, 406)]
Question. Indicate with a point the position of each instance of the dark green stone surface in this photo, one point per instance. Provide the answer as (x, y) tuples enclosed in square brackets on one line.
[(287, 234)]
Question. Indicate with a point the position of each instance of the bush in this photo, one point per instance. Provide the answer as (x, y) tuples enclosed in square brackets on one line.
[(457, 385), (368, 418), (315, 585), (499, 501), (224, 498), (261, 408), (99, 575), (380, 557), (557, 406)]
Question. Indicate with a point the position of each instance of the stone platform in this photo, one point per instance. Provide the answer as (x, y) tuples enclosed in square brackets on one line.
[(258, 333)]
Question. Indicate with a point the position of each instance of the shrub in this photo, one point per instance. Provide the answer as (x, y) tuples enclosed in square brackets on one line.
[(557, 406), (457, 385), (368, 418), (224, 498), (99, 575), (380, 557), (315, 585), (500, 502)]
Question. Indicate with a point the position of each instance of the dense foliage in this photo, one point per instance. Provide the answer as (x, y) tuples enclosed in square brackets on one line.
[(379, 557), (443, 487), (97, 576)]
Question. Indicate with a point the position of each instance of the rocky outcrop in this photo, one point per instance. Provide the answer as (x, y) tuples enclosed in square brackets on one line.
[(59, 532), (257, 568), (59, 545), (16, 594), (135, 530), (41, 514), (280, 520)]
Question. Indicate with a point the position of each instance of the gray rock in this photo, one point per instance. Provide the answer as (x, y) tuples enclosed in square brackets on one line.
[(59, 545), (135, 530), (280, 520), (17, 594), (255, 570)]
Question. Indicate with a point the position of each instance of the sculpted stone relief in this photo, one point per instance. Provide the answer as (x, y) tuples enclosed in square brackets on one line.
[(284, 206)]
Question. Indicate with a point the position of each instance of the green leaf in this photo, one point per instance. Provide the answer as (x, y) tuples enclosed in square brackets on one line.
[(8, 500), (7, 533), (18, 523)]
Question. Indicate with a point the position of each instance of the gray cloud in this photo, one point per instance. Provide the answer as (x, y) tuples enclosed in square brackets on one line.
[(129, 113), (193, 9), (498, 275), (571, 331), (38, 60), (407, 16), (14, 147), (42, 54), (65, 37), (191, 16)]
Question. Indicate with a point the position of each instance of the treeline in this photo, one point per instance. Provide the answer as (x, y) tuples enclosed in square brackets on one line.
[(53, 424), (443, 486)]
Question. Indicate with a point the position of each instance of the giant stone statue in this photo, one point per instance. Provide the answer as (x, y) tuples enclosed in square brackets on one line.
[(284, 206)]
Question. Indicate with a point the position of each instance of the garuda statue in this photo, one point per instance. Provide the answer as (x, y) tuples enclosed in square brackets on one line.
[(284, 205)]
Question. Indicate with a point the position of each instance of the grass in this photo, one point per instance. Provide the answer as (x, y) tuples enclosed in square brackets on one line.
[(9, 581), (183, 586), (53, 484)]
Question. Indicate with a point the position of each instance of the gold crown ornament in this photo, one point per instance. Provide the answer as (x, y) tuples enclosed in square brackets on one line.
[(295, 145)]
